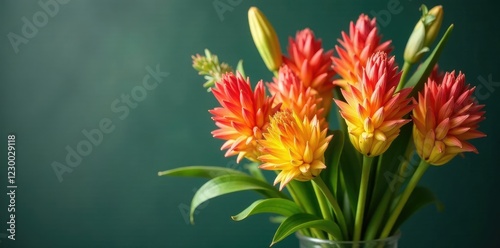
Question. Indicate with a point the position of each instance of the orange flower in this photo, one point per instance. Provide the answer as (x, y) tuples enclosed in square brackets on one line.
[(243, 117), (373, 111), (291, 93), (446, 117), (311, 64), (361, 43), (295, 147)]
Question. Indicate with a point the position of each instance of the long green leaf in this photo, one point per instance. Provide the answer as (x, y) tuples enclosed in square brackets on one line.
[(350, 162), (388, 165), (419, 78), (278, 206), (228, 184), (303, 194), (200, 171), (255, 171), (300, 221), (332, 159), (419, 198)]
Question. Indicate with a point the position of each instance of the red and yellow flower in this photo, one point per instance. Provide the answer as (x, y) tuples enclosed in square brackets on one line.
[(243, 115), (290, 92), (373, 110), (446, 117), (361, 43), (312, 64)]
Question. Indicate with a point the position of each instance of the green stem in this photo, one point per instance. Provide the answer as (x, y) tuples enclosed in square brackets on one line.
[(422, 167), (293, 194), (334, 204), (404, 74), (360, 210), (323, 205), (376, 220), (394, 185)]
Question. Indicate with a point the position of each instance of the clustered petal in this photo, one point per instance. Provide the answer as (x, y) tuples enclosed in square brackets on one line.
[(294, 146), (292, 94), (373, 110), (242, 117), (361, 43), (312, 64), (446, 117)]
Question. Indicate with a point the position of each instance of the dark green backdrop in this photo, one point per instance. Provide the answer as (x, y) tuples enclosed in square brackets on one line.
[(67, 79)]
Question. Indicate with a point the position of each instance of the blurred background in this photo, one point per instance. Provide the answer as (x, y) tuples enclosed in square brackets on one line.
[(71, 79)]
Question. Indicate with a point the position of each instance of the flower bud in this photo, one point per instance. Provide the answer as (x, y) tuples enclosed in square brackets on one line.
[(265, 39), (416, 44), (424, 33), (432, 28)]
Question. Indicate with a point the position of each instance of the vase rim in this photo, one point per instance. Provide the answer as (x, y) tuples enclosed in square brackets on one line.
[(393, 237)]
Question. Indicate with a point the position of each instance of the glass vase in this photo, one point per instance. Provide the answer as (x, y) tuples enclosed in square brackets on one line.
[(309, 242)]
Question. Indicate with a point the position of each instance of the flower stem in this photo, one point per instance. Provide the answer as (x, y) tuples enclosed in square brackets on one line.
[(360, 210), (402, 80), (323, 205), (376, 220), (334, 204), (293, 194), (422, 167), (394, 185), (300, 197)]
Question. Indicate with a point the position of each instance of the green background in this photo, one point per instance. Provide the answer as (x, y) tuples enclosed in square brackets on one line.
[(66, 77)]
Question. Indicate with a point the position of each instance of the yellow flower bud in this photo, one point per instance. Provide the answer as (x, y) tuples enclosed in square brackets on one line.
[(265, 39), (424, 33), (432, 29)]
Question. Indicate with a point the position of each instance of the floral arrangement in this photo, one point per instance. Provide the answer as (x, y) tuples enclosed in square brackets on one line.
[(357, 181)]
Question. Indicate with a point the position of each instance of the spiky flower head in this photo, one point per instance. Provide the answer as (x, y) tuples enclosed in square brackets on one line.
[(294, 146), (242, 117), (355, 48), (446, 117), (373, 110), (312, 64), (291, 93)]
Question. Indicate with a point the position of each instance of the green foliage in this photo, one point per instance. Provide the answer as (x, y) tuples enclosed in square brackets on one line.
[(278, 206), (229, 184), (301, 221)]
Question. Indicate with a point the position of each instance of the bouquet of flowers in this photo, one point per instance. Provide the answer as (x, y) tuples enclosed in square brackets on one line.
[(357, 181)]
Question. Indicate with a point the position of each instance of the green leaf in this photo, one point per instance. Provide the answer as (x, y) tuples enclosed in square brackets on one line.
[(200, 171), (420, 76), (388, 164), (419, 198), (350, 162), (255, 171), (303, 194), (278, 206), (332, 159), (228, 184), (239, 68), (277, 219), (300, 221)]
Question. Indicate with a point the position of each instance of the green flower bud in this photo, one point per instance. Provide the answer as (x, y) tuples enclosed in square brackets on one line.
[(424, 33), (416, 44), (265, 39)]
